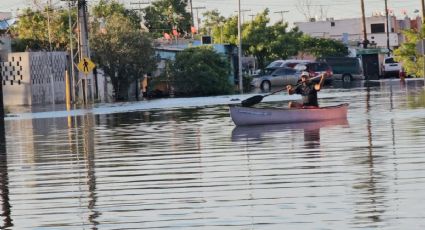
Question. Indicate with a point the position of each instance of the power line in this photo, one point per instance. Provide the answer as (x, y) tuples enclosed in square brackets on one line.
[(197, 16), (281, 13)]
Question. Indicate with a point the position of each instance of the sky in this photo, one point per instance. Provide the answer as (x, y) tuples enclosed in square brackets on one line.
[(293, 9)]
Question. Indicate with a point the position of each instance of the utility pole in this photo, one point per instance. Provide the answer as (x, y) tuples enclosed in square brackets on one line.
[(140, 5), (191, 13), (423, 39), (197, 16), (388, 27), (243, 14), (281, 13), (365, 43), (252, 16), (423, 11), (240, 48), (52, 83), (71, 47), (84, 44), (1, 101), (71, 53)]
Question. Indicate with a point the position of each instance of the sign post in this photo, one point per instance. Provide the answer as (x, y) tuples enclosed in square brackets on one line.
[(86, 66)]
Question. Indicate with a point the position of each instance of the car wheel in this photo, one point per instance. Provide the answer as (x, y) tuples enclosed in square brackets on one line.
[(266, 85), (346, 78)]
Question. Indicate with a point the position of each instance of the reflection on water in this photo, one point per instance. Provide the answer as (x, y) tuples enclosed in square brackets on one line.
[(4, 181), (191, 168), (311, 130)]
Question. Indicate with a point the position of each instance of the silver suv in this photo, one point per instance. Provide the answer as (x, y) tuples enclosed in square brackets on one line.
[(280, 77)]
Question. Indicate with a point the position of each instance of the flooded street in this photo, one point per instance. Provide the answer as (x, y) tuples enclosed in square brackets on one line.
[(182, 164)]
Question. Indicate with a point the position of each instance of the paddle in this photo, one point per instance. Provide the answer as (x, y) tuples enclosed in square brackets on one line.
[(258, 98)]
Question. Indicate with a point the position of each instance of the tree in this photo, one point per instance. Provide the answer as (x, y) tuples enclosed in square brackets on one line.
[(322, 47), (106, 8), (166, 15), (32, 30), (270, 42), (285, 42), (212, 19), (122, 51), (408, 55), (200, 71)]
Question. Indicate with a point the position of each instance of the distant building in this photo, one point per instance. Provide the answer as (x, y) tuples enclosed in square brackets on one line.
[(350, 31)]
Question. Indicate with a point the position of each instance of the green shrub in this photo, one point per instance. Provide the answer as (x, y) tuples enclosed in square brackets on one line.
[(200, 71)]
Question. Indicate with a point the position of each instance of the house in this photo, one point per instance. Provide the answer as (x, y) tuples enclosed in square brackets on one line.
[(382, 37), (350, 31)]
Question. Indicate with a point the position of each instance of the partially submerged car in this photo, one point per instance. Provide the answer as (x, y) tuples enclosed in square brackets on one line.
[(391, 68), (345, 68), (315, 69), (279, 77), (286, 63)]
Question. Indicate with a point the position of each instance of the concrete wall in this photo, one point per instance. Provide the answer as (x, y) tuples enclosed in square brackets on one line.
[(45, 67), (34, 78)]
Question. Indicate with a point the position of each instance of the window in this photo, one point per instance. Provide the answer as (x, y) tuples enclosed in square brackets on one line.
[(290, 71), (332, 24), (377, 28), (279, 72), (389, 61)]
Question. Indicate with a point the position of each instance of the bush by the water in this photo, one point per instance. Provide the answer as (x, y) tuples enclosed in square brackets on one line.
[(200, 71)]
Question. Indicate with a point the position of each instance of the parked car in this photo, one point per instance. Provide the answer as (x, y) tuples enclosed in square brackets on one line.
[(391, 68), (315, 69), (286, 63), (346, 68), (279, 77)]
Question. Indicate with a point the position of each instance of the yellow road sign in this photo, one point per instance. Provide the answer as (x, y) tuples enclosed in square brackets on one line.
[(86, 65)]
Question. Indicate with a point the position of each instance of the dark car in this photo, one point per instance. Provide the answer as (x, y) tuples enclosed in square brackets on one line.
[(346, 68), (315, 69)]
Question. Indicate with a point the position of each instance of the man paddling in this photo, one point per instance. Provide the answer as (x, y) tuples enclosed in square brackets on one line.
[(308, 91)]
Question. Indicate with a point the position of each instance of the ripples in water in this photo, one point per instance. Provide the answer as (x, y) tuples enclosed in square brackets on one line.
[(191, 168)]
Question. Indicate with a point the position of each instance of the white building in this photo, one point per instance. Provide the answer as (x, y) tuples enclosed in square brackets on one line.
[(350, 31)]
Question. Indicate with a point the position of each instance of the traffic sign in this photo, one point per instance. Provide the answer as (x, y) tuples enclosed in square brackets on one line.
[(86, 65)]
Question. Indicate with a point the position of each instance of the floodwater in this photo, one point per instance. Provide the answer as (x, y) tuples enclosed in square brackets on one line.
[(182, 164)]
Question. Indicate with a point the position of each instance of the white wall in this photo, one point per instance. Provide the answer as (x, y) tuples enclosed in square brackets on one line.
[(353, 27)]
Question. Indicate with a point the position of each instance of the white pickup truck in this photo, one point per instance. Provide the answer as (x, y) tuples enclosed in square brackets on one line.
[(391, 68)]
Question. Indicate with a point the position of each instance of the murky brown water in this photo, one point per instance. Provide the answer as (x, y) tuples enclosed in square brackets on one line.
[(191, 168)]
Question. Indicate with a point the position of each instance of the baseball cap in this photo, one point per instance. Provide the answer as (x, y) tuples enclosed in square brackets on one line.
[(305, 73)]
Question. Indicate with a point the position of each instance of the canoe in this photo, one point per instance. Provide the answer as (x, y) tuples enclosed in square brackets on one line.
[(258, 132), (263, 116)]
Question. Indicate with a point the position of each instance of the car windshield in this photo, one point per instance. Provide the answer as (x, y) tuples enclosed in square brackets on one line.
[(390, 60), (300, 67), (274, 64)]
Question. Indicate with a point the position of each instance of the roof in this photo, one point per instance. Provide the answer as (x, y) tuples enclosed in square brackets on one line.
[(5, 24)]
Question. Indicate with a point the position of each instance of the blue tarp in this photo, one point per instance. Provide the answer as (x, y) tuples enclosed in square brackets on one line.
[(5, 24)]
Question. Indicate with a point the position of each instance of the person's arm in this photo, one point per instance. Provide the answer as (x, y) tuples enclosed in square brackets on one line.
[(290, 89), (321, 82)]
